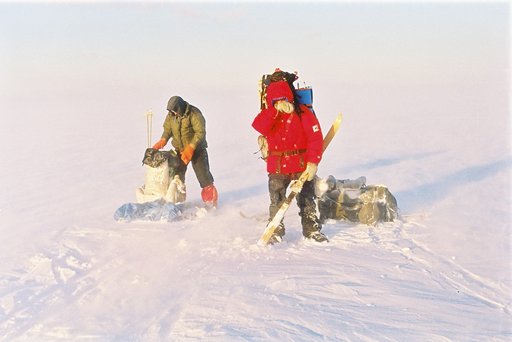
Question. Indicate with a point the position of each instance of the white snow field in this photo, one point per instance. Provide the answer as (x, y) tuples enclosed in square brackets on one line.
[(71, 155)]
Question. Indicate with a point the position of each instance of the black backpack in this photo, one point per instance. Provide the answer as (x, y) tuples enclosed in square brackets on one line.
[(154, 158)]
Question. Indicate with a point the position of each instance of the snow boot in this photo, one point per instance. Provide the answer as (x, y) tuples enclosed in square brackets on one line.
[(210, 196), (317, 236), (311, 228), (278, 234)]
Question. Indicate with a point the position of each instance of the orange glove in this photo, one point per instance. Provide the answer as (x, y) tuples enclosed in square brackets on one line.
[(187, 153), (160, 144)]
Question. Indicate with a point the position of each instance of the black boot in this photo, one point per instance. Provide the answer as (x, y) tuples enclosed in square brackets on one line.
[(307, 211), (278, 234), (317, 236), (311, 227)]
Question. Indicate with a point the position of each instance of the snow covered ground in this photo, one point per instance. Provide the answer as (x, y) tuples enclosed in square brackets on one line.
[(443, 273)]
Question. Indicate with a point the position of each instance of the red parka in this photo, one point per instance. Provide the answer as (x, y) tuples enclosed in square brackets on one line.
[(293, 140)]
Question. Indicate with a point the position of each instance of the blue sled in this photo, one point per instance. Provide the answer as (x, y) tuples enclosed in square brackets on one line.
[(158, 210)]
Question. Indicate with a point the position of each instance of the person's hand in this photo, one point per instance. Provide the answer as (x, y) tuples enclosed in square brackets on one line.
[(187, 153), (284, 106), (311, 169), (160, 144)]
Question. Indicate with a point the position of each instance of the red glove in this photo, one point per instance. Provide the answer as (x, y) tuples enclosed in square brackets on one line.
[(160, 144), (187, 153)]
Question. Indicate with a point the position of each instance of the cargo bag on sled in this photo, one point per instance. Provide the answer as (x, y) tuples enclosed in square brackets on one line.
[(355, 201), (160, 182)]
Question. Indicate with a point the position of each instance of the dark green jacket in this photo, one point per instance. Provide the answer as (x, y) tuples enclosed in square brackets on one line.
[(187, 127)]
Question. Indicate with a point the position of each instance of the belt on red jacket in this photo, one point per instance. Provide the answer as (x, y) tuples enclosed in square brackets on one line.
[(287, 153)]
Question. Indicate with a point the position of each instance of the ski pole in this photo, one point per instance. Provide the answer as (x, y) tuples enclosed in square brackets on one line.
[(149, 118)]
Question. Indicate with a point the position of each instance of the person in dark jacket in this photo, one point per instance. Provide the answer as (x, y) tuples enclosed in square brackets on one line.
[(186, 126), (294, 140)]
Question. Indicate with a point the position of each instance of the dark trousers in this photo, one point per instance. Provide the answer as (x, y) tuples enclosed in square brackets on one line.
[(277, 185), (201, 167)]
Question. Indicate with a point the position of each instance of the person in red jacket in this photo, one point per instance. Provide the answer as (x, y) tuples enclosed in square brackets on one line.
[(295, 141)]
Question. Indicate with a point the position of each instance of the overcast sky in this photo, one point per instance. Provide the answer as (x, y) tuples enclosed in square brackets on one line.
[(67, 51)]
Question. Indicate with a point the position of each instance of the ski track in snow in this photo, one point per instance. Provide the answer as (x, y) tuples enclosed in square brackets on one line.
[(213, 302), (394, 238)]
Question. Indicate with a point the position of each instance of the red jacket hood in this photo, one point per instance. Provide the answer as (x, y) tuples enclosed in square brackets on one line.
[(279, 90)]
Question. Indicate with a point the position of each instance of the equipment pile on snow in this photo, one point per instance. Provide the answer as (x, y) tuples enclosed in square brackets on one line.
[(159, 198), (157, 184), (355, 201)]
